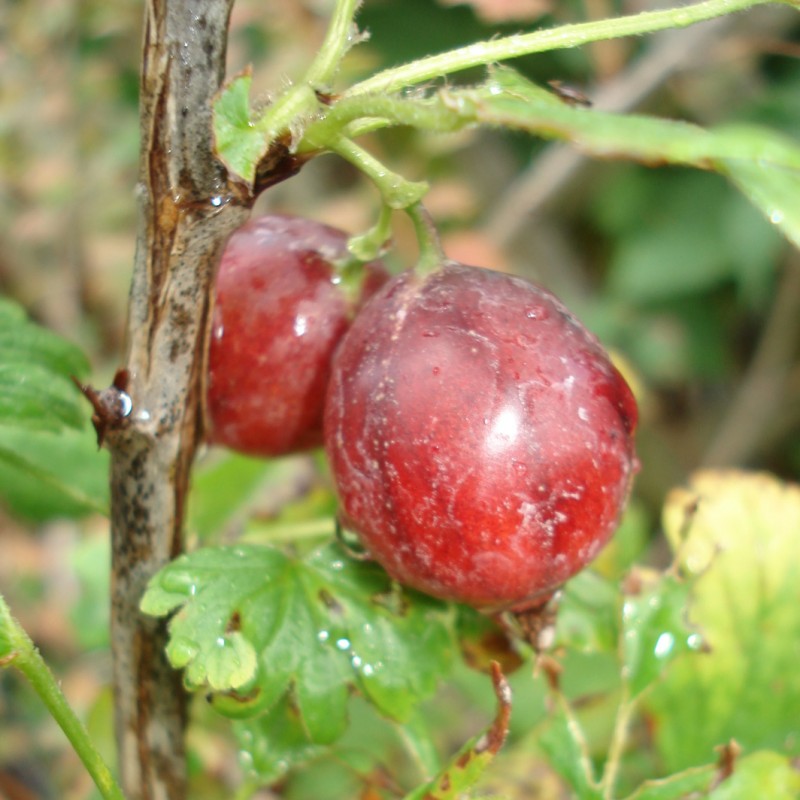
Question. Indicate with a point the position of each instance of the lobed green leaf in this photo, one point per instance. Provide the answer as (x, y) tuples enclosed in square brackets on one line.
[(255, 622), (273, 743)]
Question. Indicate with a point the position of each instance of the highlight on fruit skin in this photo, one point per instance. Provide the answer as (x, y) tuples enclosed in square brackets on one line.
[(480, 439), (281, 308)]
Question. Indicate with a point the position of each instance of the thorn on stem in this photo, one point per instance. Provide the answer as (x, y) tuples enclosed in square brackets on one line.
[(112, 406)]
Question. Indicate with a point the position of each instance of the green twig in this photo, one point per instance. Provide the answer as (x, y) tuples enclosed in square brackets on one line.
[(354, 116), (300, 102), (341, 35), (368, 246), (425, 69), (431, 254), (396, 191), (617, 747), (17, 650)]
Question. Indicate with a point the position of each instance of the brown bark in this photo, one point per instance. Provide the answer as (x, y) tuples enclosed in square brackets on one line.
[(186, 214)]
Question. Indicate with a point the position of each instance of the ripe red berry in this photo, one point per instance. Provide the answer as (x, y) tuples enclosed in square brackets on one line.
[(479, 437), (281, 309)]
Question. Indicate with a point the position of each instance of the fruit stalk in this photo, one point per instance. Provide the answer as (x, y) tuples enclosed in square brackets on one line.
[(186, 213)]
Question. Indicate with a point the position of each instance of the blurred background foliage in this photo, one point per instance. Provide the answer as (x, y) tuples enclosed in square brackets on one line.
[(693, 290)]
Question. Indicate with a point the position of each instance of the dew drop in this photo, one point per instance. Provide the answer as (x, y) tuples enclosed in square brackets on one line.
[(126, 404), (323, 636), (216, 201), (776, 217), (342, 644), (664, 645)]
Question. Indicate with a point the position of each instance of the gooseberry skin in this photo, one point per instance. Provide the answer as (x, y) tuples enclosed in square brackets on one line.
[(480, 440), (280, 311)]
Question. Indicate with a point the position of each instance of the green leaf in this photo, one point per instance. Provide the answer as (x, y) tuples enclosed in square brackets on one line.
[(239, 143), (654, 629), (44, 474), (222, 489), (662, 222), (468, 765), (765, 165), (35, 368), (764, 774), (736, 533), (678, 786), (667, 253), (564, 743), (22, 340), (318, 625), (273, 743), (33, 397), (588, 614)]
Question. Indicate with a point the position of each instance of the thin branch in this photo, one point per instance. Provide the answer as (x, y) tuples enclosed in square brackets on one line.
[(180, 238)]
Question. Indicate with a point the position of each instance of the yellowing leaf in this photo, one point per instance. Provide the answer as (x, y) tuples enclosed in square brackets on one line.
[(737, 533)]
